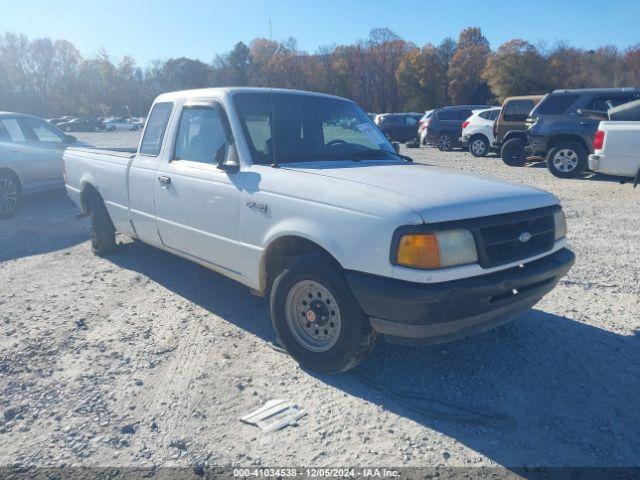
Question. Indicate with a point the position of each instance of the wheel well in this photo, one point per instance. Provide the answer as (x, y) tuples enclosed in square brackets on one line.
[(555, 140), (514, 134), (476, 135), (89, 196), (11, 173), (280, 252)]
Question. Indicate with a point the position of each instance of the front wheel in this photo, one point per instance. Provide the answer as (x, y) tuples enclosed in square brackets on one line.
[(444, 143), (567, 160), (479, 146), (316, 317)]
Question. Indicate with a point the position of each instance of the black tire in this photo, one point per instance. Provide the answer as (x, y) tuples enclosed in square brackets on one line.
[(567, 159), (356, 338), (444, 142), (103, 233), (479, 146), (10, 194), (512, 152)]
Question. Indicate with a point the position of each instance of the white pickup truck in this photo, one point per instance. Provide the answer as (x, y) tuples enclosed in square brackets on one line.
[(616, 149), (346, 237)]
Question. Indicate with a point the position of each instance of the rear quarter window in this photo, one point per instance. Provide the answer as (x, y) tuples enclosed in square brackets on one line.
[(557, 104), (156, 126), (447, 115)]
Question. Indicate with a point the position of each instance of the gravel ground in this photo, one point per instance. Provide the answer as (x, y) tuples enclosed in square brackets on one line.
[(142, 358)]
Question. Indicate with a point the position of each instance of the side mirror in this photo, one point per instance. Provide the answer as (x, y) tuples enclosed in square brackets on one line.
[(227, 158), (70, 139), (396, 146)]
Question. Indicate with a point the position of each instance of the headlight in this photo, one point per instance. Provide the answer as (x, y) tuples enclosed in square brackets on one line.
[(560, 221), (436, 250)]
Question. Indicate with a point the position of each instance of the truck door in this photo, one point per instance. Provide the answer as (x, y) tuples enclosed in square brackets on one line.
[(198, 204), (142, 174)]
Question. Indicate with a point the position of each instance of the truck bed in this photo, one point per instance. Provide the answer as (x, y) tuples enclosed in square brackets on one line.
[(106, 170), (620, 154)]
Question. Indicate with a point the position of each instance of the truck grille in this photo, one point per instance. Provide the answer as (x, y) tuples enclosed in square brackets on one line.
[(508, 238)]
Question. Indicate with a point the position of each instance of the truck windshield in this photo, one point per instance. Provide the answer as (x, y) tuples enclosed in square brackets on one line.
[(286, 127)]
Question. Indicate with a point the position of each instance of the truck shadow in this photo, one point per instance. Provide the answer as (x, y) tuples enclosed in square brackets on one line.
[(44, 222), (544, 390)]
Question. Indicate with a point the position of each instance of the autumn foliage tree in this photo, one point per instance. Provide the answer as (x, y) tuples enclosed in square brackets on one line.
[(383, 72), (516, 68)]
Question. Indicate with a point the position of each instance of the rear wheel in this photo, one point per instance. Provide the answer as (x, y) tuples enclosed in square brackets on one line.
[(9, 195), (316, 317), (103, 233), (567, 160), (512, 152), (479, 146), (444, 143)]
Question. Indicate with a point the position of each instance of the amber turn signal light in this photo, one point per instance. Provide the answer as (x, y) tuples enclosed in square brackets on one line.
[(419, 251)]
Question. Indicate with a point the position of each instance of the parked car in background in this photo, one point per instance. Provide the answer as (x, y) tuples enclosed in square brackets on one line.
[(59, 120), (558, 133), (445, 125), (345, 250), (81, 125), (510, 128), (477, 131), (616, 144), (31, 152), (422, 126), (400, 127), (121, 124)]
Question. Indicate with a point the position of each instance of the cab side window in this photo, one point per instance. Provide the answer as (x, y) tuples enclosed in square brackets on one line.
[(201, 135)]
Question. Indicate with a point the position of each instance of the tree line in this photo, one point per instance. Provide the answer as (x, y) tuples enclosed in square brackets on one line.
[(383, 73)]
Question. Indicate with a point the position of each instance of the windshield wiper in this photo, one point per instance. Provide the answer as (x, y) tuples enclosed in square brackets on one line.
[(372, 151)]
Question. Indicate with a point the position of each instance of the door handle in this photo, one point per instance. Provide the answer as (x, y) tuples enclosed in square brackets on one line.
[(164, 180)]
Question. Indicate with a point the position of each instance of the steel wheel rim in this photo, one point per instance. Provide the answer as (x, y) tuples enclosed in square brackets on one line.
[(8, 196), (565, 160), (313, 315), (444, 142), (477, 147)]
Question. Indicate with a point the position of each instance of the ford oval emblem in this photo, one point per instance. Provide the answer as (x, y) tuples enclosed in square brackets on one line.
[(524, 237)]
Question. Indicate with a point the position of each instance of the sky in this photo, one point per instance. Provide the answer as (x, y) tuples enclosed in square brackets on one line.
[(160, 29)]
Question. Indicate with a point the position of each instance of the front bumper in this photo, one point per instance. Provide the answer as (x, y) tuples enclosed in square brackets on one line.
[(407, 312)]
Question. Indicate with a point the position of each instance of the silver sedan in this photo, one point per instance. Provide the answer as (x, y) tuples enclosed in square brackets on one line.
[(30, 158)]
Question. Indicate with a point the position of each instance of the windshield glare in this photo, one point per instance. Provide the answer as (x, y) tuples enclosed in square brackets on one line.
[(285, 127)]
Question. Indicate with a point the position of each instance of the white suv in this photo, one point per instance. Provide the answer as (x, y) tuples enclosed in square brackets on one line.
[(477, 131)]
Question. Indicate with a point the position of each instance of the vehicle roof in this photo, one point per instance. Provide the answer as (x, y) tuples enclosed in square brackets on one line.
[(596, 90), (451, 107), (15, 114), (200, 92), (490, 109), (524, 97)]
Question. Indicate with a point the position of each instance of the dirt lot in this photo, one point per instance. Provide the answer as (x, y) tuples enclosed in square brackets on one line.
[(142, 358)]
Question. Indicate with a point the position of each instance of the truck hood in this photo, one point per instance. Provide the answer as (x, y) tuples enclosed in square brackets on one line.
[(437, 194)]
